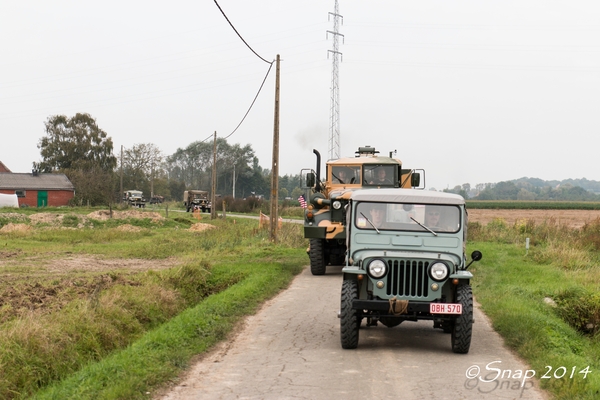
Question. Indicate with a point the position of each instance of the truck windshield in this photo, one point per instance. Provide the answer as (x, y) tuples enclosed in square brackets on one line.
[(345, 174), (406, 217), (378, 175)]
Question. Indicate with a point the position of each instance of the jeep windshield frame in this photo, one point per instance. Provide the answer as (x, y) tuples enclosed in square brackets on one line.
[(408, 217)]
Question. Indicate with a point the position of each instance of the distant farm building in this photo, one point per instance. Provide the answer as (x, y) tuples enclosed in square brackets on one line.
[(37, 189)]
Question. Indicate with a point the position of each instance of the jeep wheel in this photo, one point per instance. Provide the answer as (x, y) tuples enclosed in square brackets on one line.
[(316, 254), (349, 317), (463, 326)]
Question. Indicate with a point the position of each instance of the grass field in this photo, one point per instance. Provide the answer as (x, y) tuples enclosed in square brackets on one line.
[(86, 298), (544, 300)]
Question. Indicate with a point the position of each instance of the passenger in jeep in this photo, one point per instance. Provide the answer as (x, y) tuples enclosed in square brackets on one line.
[(436, 220), (377, 215)]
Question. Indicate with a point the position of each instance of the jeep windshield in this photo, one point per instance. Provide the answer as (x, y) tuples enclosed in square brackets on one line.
[(410, 217)]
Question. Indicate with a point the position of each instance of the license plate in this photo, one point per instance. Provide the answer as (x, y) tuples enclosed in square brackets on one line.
[(445, 308)]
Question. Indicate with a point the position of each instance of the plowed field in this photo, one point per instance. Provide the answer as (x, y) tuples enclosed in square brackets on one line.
[(570, 218)]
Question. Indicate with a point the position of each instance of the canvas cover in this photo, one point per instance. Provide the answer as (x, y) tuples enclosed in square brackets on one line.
[(407, 196), (9, 200)]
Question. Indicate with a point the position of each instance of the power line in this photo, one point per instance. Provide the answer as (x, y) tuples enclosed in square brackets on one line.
[(240, 36), (265, 78), (253, 101)]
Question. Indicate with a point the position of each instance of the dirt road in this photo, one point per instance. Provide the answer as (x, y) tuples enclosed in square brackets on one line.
[(291, 350)]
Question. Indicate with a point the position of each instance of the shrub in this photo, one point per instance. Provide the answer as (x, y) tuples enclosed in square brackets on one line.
[(580, 309)]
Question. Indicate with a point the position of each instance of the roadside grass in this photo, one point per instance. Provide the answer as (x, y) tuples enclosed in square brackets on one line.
[(544, 301), (116, 333)]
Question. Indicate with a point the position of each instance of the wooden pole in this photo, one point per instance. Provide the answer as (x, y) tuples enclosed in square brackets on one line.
[(121, 192), (275, 168), (213, 203)]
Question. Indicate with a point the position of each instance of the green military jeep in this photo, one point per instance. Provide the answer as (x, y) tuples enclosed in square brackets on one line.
[(406, 262)]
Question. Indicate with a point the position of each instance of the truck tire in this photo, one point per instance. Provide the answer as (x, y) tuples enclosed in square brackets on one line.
[(463, 326), (349, 317), (316, 254)]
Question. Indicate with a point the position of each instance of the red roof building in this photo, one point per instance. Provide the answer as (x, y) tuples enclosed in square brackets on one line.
[(37, 189)]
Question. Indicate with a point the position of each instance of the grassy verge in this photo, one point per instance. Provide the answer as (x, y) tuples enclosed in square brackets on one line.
[(161, 354), (100, 330), (544, 301)]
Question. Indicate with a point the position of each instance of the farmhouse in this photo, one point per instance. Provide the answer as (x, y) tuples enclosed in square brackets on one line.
[(3, 168), (37, 189)]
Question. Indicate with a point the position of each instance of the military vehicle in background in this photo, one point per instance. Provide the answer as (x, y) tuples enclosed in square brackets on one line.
[(135, 198), (325, 215), (196, 199), (156, 199)]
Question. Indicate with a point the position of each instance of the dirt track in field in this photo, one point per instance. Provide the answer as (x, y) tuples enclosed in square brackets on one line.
[(570, 218)]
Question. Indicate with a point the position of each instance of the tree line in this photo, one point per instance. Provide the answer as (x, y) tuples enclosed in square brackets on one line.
[(530, 189), (85, 153)]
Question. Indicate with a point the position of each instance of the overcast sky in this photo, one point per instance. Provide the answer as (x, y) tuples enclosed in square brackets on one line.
[(471, 91)]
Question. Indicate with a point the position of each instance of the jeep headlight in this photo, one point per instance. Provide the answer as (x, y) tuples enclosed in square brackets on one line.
[(377, 268), (438, 271), (337, 204)]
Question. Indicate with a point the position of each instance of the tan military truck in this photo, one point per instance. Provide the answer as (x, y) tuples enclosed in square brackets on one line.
[(325, 215), (196, 199)]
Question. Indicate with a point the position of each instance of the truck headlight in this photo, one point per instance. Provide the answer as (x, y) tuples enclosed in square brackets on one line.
[(377, 268), (438, 271), (337, 204)]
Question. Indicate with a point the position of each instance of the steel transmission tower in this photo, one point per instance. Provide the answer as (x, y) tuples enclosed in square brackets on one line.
[(334, 110)]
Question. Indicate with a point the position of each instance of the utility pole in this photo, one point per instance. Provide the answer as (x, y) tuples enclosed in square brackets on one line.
[(152, 179), (275, 168), (213, 197), (334, 110), (121, 192)]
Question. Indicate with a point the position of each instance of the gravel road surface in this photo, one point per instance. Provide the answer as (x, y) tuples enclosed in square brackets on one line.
[(291, 350)]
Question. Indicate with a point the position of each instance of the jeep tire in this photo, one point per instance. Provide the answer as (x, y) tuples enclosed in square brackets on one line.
[(463, 326), (316, 254), (349, 317)]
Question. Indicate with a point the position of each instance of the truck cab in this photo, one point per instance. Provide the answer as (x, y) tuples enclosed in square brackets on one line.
[(324, 217)]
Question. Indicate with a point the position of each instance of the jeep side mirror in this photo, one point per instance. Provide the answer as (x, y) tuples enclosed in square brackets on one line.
[(475, 256), (310, 179)]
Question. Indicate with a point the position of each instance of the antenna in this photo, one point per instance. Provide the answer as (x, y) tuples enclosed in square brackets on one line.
[(334, 110)]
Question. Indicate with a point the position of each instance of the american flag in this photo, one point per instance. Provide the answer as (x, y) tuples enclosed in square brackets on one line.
[(302, 201)]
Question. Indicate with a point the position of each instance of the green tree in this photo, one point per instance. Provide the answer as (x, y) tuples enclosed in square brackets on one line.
[(458, 190), (142, 164), (82, 151), (193, 166), (75, 143)]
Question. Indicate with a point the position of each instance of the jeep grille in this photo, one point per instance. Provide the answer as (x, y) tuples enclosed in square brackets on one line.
[(407, 278)]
